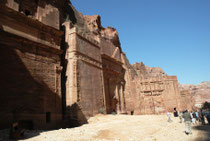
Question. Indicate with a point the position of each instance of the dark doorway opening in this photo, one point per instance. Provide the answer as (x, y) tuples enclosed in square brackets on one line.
[(27, 12), (132, 112)]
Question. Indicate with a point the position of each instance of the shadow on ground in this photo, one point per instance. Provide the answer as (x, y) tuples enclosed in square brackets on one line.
[(4, 134), (204, 134)]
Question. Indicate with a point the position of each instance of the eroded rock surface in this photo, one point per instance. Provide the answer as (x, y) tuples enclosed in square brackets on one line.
[(199, 93), (109, 33)]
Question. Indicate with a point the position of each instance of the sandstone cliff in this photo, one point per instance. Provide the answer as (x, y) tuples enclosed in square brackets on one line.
[(109, 33), (146, 71), (199, 93)]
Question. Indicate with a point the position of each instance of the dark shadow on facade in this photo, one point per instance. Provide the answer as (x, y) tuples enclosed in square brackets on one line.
[(27, 97), (71, 14), (75, 116), (64, 62)]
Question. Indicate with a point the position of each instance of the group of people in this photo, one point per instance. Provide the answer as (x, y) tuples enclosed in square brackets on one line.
[(191, 117), (195, 118)]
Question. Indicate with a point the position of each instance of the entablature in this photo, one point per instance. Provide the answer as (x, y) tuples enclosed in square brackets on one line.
[(18, 24)]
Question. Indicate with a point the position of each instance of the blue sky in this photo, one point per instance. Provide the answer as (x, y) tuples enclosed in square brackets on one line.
[(171, 34)]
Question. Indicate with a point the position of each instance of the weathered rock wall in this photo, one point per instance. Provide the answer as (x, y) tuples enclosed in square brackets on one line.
[(199, 94)]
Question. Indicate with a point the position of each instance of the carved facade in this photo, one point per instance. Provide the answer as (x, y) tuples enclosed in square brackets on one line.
[(153, 91), (94, 75), (84, 86), (30, 65), (159, 95), (55, 67)]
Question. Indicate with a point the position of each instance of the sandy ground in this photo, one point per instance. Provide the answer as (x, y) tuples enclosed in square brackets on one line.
[(124, 128)]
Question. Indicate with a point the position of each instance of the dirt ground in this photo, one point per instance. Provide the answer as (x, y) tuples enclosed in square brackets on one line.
[(124, 128)]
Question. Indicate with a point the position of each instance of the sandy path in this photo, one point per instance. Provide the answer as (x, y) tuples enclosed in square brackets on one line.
[(125, 128)]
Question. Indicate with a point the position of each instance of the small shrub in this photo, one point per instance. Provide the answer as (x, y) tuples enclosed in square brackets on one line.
[(101, 110), (114, 113)]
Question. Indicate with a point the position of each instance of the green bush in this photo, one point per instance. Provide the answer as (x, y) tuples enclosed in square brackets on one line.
[(114, 113), (101, 110)]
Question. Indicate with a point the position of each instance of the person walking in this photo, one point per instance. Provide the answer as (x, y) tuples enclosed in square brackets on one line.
[(208, 116), (187, 120), (169, 117), (193, 117), (202, 117), (175, 113), (197, 116), (180, 117)]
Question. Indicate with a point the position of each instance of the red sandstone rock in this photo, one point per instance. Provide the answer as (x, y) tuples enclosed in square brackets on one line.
[(93, 23), (146, 71), (199, 93), (109, 33)]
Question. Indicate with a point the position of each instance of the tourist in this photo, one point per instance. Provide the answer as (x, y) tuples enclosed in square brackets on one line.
[(175, 113), (208, 116), (193, 118), (202, 117), (169, 117), (187, 120), (197, 116), (180, 117), (191, 115), (193, 121)]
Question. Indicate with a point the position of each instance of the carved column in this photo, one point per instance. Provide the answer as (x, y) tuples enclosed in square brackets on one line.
[(122, 98), (58, 70), (75, 97), (117, 94), (67, 26), (72, 83)]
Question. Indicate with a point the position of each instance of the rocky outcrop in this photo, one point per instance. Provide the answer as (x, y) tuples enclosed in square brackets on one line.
[(146, 71), (94, 23), (199, 93), (109, 33)]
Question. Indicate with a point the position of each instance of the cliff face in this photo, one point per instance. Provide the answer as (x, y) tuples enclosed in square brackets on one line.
[(146, 71), (199, 93), (109, 33), (150, 90)]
